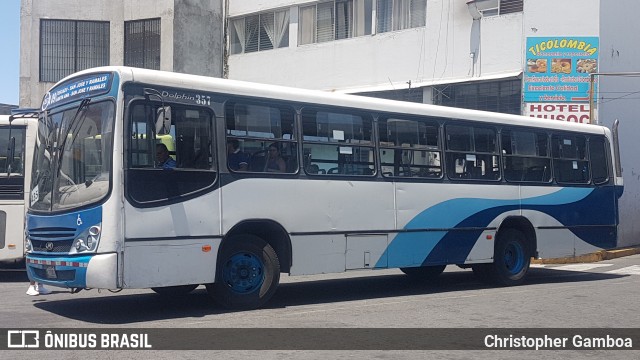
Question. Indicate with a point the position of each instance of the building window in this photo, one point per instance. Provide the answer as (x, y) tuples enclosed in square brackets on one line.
[(259, 32), (499, 96), (510, 6), (501, 7), (67, 46), (335, 20), (400, 14), (142, 43)]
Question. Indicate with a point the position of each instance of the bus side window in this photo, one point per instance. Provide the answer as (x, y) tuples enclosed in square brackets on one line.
[(338, 142), (526, 156), (472, 153), (570, 159), (189, 143), (259, 127), (598, 159)]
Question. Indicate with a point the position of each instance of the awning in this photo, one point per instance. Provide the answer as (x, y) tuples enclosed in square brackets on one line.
[(414, 85)]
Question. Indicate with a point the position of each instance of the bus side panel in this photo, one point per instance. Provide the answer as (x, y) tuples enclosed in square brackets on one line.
[(169, 262), (311, 206), (571, 221), (12, 227), (318, 254), (172, 245), (443, 222), (334, 225)]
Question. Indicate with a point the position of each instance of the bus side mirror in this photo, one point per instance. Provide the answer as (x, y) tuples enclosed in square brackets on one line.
[(163, 120)]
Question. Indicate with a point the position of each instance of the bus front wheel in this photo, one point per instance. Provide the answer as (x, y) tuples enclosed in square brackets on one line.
[(248, 273)]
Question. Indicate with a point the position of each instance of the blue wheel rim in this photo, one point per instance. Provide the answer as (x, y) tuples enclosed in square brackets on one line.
[(243, 273), (514, 257)]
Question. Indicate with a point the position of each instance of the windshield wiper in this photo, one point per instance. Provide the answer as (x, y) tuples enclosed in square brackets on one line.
[(72, 123)]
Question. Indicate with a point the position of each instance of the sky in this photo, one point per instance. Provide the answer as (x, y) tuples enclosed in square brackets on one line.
[(9, 51)]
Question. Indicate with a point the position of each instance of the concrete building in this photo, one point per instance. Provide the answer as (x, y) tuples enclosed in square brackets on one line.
[(5, 109), (532, 57), (60, 37)]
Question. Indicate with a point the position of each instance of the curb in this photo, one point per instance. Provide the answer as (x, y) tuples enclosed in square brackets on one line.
[(593, 257)]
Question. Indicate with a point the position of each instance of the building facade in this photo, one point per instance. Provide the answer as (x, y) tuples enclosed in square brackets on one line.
[(63, 36), (531, 57)]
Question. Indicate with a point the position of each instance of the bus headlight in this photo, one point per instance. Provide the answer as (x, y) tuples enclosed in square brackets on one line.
[(94, 236), (88, 240)]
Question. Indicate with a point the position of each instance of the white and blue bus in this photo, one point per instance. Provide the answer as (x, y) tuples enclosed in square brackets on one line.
[(17, 138), (329, 183)]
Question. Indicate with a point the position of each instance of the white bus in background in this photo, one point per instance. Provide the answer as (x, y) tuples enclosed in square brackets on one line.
[(329, 183), (17, 139)]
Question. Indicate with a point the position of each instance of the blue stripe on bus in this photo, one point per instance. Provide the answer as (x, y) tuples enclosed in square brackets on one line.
[(570, 206)]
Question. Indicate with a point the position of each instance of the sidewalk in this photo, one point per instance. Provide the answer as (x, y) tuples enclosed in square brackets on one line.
[(593, 257)]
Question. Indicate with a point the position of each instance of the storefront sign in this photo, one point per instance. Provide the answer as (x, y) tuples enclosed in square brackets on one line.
[(570, 112), (557, 68)]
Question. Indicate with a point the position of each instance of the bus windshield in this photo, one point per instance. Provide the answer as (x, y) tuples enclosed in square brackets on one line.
[(73, 157)]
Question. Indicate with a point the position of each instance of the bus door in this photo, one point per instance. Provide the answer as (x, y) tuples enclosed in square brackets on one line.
[(172, 215)]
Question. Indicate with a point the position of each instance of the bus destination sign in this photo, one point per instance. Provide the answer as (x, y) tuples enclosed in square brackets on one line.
[(92, 85)]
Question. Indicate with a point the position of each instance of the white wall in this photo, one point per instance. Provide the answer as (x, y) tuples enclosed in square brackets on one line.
[(437, 52), (619, 53)]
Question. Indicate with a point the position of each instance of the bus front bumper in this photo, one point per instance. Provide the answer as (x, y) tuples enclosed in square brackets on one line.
[(89, 271)]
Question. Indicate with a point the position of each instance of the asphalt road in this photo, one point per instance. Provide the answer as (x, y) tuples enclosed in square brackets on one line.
[(598, 295)]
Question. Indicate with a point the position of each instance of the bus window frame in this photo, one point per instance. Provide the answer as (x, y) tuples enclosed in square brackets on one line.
[(472, 151), (429, 121), (607, 159), (555, 161), (548, 135), (127, 168), (295, 138), (372, 145)]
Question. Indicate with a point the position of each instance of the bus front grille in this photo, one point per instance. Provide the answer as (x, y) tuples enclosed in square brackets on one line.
[(63, 246), (52, 240)]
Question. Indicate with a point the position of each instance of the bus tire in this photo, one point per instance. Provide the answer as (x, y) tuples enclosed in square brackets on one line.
[(424, 273), (511, 259), (174, 290), (248, 273)]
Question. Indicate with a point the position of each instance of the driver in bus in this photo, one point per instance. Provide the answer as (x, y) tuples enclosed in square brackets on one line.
[(163, 160)]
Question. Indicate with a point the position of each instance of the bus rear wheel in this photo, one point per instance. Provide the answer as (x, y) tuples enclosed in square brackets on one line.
[(511, 259), (424, 273), (175, 290), (248, 273)]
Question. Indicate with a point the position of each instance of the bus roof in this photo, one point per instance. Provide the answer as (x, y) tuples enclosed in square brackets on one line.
[(193, 83)]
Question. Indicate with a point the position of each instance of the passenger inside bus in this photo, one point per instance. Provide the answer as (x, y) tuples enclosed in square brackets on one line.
[(236, 159), (275, 162), (163, 160)]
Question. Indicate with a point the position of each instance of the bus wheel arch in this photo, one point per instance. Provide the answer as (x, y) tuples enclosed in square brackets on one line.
[(515, 244), (268, 230), (523, 225)]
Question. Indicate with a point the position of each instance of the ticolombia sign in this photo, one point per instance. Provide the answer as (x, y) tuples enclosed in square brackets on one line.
[(556, 83)]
